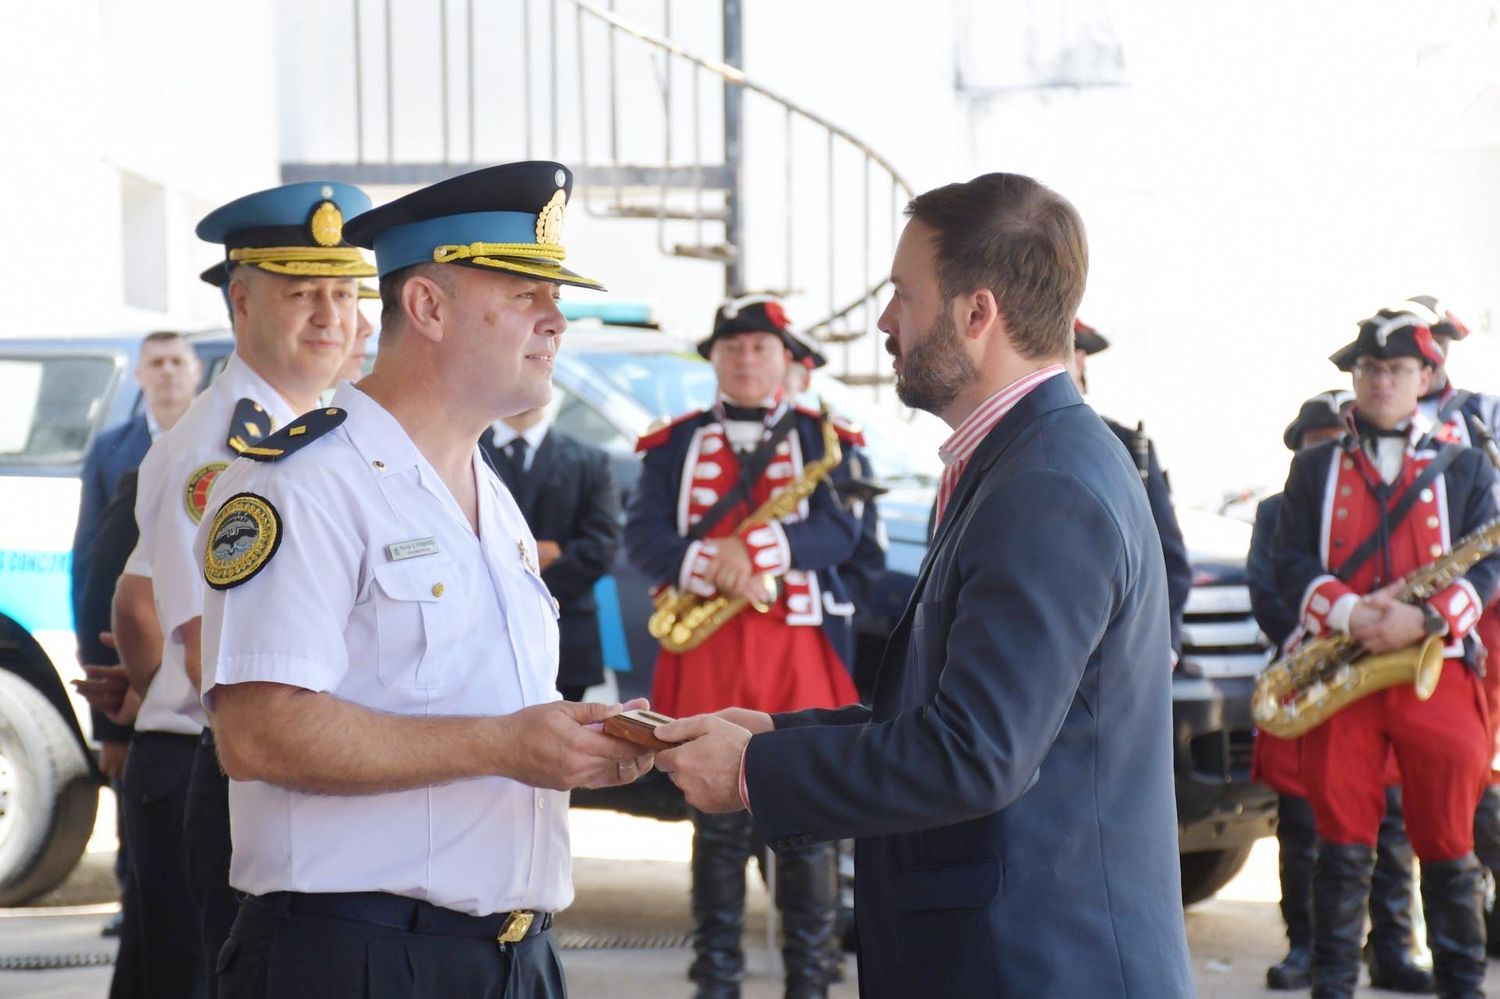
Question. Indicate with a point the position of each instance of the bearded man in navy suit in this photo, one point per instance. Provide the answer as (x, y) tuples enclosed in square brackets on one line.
[(1011, 785)]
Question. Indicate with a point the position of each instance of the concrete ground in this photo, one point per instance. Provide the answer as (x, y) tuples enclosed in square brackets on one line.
[(626, 934)]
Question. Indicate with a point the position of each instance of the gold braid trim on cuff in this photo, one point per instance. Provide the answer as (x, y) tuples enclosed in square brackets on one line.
[(473, 251)]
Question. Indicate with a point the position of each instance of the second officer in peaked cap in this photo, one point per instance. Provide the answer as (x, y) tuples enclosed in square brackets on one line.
[(399, 759), (290, 283)]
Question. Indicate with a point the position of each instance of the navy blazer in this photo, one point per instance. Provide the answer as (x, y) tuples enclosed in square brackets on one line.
[(568, 495), (114, 452), (1011, 787)]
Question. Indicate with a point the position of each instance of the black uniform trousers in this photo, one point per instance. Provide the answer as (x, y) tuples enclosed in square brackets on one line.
[(276, 952), (206, 830), (154, 793)]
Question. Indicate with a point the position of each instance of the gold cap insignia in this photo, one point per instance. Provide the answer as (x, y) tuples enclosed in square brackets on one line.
[(549, 222), (327, 225)]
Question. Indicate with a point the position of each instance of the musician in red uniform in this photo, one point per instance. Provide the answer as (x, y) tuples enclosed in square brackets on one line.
[(702, 476), (1358, 516)]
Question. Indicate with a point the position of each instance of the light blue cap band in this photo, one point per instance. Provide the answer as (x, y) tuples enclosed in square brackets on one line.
[(403, 245)]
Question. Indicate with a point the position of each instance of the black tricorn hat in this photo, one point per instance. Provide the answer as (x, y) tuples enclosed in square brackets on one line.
[(753, 314), (1389, 334), (1434, 315), (1323, 411), (1088, 339)]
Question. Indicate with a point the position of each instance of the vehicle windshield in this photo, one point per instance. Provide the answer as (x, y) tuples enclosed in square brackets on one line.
[(49, 407), (667, 384)]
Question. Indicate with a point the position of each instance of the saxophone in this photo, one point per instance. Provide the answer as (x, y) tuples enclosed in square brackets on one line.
[(1301, 691), (683, 620)]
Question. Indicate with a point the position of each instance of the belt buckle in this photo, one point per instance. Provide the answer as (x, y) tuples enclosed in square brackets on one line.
[(516, 925)]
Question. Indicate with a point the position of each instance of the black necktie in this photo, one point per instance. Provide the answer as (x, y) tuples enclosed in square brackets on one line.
[(513, 462)]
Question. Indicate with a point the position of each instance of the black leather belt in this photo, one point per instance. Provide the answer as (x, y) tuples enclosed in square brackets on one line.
[(410, 914)]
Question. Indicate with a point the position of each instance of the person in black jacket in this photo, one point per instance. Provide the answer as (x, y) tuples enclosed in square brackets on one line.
[(113, 539), (1086, 342), (1277, 763), (568, 497)]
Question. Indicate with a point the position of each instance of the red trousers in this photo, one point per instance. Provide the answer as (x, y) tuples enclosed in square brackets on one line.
[(1441, 745)]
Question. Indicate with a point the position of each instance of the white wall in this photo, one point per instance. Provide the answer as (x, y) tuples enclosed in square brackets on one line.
[(153, 110)]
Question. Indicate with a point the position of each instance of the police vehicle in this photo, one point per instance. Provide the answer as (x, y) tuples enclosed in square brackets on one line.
[(55, 395)]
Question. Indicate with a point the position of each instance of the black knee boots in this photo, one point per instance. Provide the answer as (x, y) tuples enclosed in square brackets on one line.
[(1298, 847), (1392, 939), (1452, 899), (1341, 891), (721, 844)]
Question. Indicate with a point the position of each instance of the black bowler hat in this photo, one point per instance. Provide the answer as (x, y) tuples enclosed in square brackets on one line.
[(1323, 411), (1088, 339), (754, 314), (1434, 315), (503, 218), (1390, 334)]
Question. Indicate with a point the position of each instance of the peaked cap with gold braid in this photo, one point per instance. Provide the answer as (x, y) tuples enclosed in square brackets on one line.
[(296, 230), (503, 218)]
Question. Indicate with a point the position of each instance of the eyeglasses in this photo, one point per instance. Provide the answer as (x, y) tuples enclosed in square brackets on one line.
[(1396, 371)]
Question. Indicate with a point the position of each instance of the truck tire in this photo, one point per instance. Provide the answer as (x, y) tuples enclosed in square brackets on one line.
[(1203, 874), (48, 796)]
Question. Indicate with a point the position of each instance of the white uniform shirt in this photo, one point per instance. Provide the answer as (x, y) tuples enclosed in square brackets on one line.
[(462, 625), (165, 550)]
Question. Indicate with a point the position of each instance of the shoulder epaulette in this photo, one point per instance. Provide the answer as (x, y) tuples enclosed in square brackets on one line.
[(661, 431), (295, 435), (849, 432), (247, 426)]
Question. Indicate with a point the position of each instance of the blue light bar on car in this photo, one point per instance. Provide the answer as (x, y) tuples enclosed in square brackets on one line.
[(614, 313)]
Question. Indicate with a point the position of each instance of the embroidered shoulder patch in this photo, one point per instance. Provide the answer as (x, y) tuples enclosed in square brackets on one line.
[(249, 424), (245, 534), (296, 435), (199, 482)]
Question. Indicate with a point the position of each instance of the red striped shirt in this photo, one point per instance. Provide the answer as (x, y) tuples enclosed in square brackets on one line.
[(959, 447)]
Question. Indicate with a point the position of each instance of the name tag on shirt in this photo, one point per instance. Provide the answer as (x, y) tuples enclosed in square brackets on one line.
[(415, 548)]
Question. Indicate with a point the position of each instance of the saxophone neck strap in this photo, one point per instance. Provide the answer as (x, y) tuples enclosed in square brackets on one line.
[(1397, 513), (751, 469)]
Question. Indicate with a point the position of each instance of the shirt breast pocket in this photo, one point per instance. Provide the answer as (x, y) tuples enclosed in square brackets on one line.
[(416, 631)]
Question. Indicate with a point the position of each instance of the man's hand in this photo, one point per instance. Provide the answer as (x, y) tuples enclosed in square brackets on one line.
[(547, 552), (556, 746), (1387, 624), (729, 569), (755, 722), (707, 766), (104, 689), (112, 759)]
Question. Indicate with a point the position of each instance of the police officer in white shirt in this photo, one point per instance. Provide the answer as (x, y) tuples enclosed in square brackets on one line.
[(292, 294), (379, 648)]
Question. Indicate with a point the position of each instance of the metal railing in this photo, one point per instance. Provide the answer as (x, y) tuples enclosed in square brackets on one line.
[(654, 130)]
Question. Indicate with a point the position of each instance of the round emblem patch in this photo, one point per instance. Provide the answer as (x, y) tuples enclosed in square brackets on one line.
[(245, 535), (327, 225), (195, 493)]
